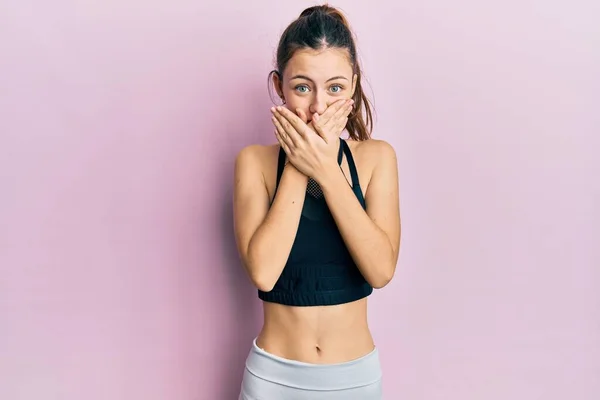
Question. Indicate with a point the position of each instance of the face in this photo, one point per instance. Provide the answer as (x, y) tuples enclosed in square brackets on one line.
[(313, 80)]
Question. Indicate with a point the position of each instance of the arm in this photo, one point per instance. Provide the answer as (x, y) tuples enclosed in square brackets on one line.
[(265, 235), (372, 237)]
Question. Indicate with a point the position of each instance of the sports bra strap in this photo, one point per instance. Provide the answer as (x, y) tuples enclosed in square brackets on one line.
[(340, 151), (351, 164), (280, 166)]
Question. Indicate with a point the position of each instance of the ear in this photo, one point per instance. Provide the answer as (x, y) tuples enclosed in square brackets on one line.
[(354, 82), (277, 84)]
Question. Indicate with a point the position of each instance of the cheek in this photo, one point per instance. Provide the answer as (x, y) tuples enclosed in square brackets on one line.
[(294, 102)]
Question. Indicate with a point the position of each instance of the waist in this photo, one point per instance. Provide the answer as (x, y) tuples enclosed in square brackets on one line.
[(358, 372), (318, 335)]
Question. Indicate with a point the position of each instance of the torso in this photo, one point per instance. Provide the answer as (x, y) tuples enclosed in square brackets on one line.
[(318, 334)]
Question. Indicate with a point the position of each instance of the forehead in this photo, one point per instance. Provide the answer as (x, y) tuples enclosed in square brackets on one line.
[(319, 64)]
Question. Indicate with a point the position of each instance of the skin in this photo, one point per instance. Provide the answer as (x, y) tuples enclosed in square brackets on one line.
[(308, 128)]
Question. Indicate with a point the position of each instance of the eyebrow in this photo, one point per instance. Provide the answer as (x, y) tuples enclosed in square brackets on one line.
[(308, 79)]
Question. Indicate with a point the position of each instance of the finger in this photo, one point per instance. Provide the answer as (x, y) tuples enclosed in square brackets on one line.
[(342, 113), (286, 127), (283, 134), (278, 137), (282, 143), (337, 122), (285, 116), (342, 125), (335, 126), (332, 109), (350, 109)]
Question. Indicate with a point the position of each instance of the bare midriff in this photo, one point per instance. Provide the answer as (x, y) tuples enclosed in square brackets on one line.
[(317, 334)]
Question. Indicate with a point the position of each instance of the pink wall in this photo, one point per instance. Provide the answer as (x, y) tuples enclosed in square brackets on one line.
[(119, 122)]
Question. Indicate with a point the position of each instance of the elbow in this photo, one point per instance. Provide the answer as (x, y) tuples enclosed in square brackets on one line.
[(383, 278), (380, 283), (259, 276), (384, 269), (262, 283)]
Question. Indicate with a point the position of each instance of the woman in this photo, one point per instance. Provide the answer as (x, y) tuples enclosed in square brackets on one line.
[(317, 222)]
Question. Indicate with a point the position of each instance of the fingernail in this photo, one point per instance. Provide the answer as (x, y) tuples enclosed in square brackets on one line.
[(278, 108), (272, 109)]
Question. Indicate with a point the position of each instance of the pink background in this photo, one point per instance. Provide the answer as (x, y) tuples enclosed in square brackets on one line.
[(119, 123)]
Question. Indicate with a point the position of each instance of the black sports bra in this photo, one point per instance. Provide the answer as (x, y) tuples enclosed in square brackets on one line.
[(319, 270)]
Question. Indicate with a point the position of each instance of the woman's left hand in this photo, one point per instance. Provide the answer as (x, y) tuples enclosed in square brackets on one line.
[(311, 148)]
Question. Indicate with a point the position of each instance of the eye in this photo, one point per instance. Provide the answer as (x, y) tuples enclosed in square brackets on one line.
[(302, 88), (337, 88)]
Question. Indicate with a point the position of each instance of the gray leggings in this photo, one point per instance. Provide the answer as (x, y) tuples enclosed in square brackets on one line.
[(269, 377)]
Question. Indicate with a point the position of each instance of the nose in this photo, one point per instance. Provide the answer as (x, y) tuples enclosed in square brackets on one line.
[(319, 103)]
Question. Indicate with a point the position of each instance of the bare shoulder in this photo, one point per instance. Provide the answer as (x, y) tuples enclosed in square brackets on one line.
[(375, 147), (257, 157), (255, 153), (373, 152), (257, 162)]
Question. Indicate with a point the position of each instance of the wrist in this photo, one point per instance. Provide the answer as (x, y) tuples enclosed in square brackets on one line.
[(291, 170), (330, 176)]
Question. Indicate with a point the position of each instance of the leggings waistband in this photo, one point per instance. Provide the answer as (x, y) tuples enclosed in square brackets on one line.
[(362, 371)]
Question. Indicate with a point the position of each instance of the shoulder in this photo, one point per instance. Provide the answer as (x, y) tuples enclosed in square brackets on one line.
[(374, 152), (256, 163), (256, 155), (376, 147), (256, 151)]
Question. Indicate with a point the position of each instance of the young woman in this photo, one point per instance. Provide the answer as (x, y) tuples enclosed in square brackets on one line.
[(317, 222)]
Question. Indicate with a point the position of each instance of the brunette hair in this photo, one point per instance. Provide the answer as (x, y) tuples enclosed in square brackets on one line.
[(321, 27)]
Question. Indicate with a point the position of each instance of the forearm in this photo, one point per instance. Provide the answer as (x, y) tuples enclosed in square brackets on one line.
[(368, 244), (272, 242)]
